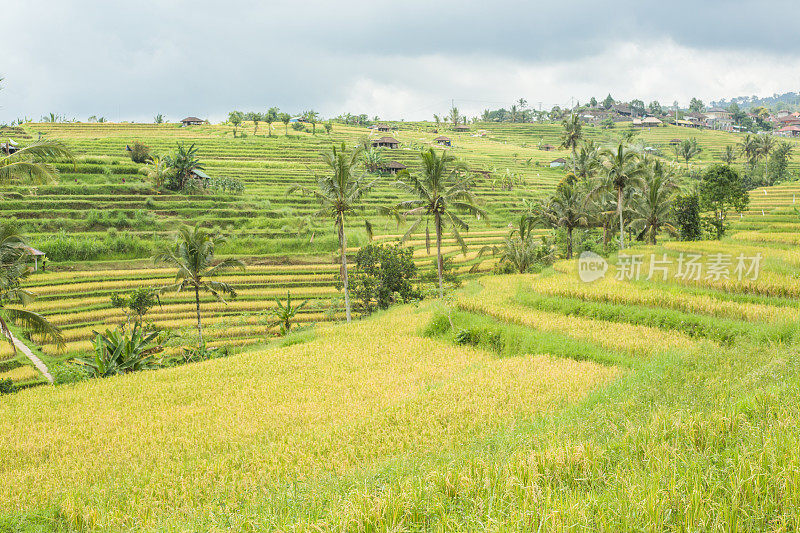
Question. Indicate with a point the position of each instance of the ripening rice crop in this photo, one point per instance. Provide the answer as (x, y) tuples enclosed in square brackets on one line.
[(496, 299), (199, 441)]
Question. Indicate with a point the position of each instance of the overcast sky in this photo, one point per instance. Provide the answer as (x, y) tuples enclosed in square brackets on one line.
[(405, 59)]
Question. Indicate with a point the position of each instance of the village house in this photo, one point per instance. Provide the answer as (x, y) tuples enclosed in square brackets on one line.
[(392, 167), (647, 122), (385, 142), (442, 140), (461, 127), (560, 162), (192, 121), (9, 147), (547, 147), (382, 127), (789, 131)]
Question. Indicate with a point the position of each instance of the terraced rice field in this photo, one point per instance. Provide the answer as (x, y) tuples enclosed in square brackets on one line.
[(570, 404)]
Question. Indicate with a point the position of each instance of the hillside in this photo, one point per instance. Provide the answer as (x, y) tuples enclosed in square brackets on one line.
[(102, 221)]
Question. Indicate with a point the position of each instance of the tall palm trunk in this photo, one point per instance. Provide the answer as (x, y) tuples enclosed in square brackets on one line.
[(197, 308), (569, 243), (343, 248), (766, 168), (439, 265), (621, 221)]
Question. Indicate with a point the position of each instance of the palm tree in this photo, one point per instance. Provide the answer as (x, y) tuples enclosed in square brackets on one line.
[(587, 162), (765, 143), (455, 116), (340, 194), (601, 206), (623, 170), (729, 155), (193, 256), (651, 205), (572, 135), (566, 209), (158, 171), (14, 267), (520, 248), (687, 150), (749, 148), (29, 163), (442, 191)]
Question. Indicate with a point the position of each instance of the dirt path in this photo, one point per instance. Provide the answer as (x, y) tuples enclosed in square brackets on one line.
[(36, 361)]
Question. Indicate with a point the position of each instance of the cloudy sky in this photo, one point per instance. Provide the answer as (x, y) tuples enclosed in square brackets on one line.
[(404, 59)]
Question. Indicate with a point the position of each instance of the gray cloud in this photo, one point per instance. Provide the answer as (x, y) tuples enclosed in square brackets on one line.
[(131, 60)]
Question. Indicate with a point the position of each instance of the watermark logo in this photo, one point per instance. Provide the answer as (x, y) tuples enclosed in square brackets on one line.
[(591, 267)]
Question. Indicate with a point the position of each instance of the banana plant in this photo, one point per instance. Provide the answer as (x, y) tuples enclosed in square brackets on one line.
[(116, 353), (285, 313)]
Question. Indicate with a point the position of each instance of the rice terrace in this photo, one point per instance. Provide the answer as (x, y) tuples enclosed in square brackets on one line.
[(441, 315)]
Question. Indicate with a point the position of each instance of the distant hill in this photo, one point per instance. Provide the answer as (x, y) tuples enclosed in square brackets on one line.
[(777, 102)]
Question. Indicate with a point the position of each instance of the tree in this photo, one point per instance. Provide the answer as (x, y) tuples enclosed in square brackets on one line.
[(766, 142), (687, 150), (255, 118), (30, 163), (651, 206), (686, 214), (14, 268), (696, 105), (571, 135), (637, 107), (328, 127), (193, 256), (749, 148), (285, 118), (159, 119), (441, 192), (183, 165), (235, 118), (455, 116), (383, 275), (608, 102), (593, 102), (729, 155), (312, 117), (136, 304), (779, 165), (655, 108), (271, 116), (721, 189), (340, 193), (622, 170), (566, 209), (587, 162)]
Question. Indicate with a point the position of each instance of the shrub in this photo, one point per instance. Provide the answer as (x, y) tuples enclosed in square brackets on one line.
[(140, 153), (298, 126), (68, 373), (117, 353), (6, 386)]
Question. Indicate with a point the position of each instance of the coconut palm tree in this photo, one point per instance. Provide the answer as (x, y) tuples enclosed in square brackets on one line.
[(729, 155), (749, 148), (765, 144), (650, 211), (30, 163), (587, 161), (340, 193), (193, 256), (687, 150), (572, 134), (14, 267), (566, 209), (623, 170), (441, 193)]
